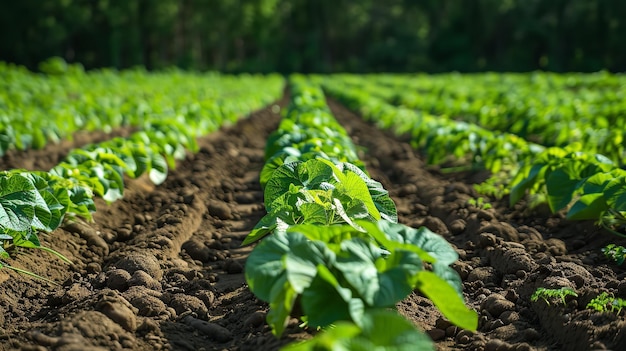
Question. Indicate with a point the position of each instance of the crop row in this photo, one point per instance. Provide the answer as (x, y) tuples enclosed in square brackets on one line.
[(34, 201), (41, 108), (333, 252), (549, 109), (588, 185)]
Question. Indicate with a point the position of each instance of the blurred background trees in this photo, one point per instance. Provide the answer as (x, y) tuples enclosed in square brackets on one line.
[(319, 35)]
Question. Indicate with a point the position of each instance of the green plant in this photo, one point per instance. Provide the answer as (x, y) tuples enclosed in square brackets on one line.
[(615, 253), (605, 303), (377, 330), (342, 272), (333, 250), (480, 203), (28, 204), (319, 192), (546, 293), (51, 107)]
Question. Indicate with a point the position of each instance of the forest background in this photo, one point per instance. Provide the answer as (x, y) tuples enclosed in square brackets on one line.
[(320, 36)]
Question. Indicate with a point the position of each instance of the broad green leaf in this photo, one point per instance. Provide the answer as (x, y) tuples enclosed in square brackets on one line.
[(81, 201), (284, 258), (325, 301), (597, 182), (55, 209), (448, 274), (265, 266), (395, 277), (589, 206), (273, 163), (447, 300), (380, 196), (615, 194), (560, 189), (314, 213), (434, 244), (519, 189), (276, 221), (302, 260), (18, 198), (333, 234), (308, 175), (282, 298), (158, 169), (53, 202), (387, 328), (356, 263), (141, 158), (392, 242), (355, 187)]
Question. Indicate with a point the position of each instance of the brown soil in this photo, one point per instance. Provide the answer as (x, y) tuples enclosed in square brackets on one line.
[(162, 269)]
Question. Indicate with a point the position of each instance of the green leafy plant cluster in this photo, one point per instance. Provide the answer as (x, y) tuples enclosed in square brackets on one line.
[(32, 202), (38, 201), (615, 252), (589, 186), (334, 253), (545, 294), (441, 139), (546, 108), (37, 109), (607, 303)]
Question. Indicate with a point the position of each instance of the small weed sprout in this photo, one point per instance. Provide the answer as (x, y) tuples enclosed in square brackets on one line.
[(605, 303), (546, 294), (479, 203), (615, 253)]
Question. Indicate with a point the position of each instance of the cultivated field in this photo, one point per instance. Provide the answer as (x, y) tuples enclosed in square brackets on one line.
[(143, 187)]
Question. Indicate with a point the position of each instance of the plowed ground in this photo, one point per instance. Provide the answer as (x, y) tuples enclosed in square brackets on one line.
[(162, 269)]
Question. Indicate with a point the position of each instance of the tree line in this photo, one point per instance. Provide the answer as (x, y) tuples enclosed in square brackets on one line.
[(319, 35)]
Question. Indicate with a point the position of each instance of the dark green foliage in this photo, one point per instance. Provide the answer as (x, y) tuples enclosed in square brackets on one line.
[(615, 252), (318, 35)]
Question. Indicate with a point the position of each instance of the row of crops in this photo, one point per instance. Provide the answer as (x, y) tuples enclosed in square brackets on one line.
[(558, 138), (168, 110), (39, 108), (331, 247)]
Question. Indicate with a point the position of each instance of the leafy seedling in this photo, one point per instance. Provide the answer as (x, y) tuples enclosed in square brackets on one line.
[(546, 294), (605, 303)]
